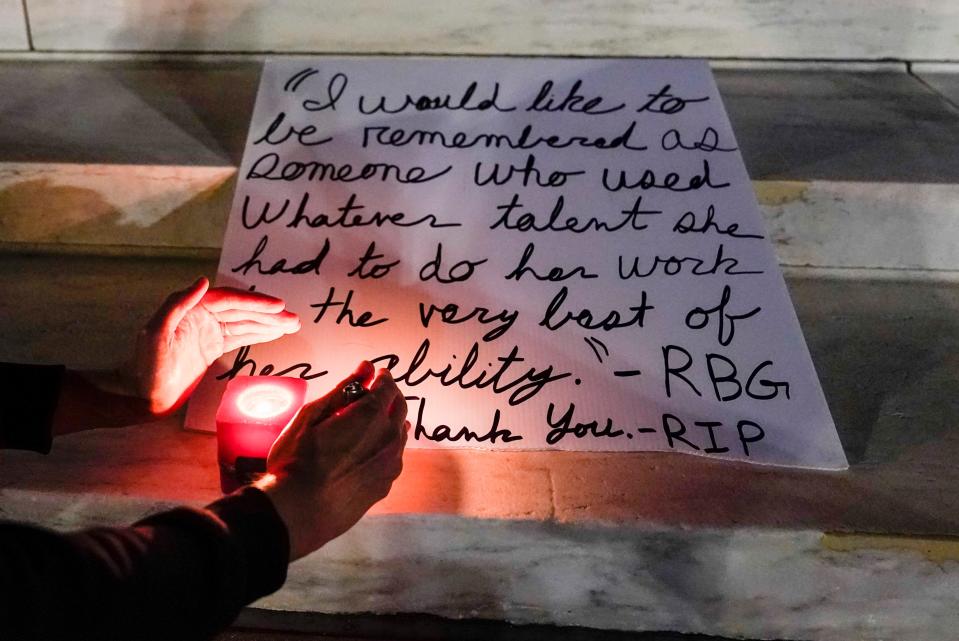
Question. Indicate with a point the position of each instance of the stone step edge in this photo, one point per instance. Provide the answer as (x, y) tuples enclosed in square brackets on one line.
[(937, 549), (861, 65), (39, 506)]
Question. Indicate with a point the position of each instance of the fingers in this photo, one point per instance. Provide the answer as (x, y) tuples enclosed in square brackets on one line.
[(393, 400), (368, 421), (382, 397), (221, 299), (398, 410), (248, 318), (386, 465), (282, 318), (369, 408), (238, 328), (333, 401), (363, 373), (176, 306)]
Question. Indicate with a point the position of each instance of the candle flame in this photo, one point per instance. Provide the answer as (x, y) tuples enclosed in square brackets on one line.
[(264, 401)]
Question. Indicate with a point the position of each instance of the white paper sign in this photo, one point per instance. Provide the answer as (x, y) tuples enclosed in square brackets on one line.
[(548, 254)]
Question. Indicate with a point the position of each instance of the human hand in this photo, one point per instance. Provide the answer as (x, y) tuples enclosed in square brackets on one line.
[(193, 328), (335, 460)]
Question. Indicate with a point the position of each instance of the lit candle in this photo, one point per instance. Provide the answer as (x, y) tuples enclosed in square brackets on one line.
[(252, 413)]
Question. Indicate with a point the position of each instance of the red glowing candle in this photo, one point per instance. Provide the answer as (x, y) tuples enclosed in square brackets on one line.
[(252, 413)]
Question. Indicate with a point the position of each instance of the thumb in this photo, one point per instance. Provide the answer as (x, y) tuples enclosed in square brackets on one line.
[(333, 401), (176, 306)]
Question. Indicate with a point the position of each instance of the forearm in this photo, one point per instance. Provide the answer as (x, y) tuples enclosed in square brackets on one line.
[(181, 574), (28, 402), (39, 402), (98, 398)]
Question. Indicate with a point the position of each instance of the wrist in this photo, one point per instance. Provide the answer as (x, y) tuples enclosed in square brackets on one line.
[(281, 495), (112, 381), (124, 381), (98, 398), (261, 538)]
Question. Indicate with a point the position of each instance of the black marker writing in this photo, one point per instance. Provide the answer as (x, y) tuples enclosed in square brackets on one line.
[(572, 102), (293, 82), (443, 432), (446, 102), (689, 224), (370, 265), (555, 273), (564, 425), (499, 379), (585, 318), (280, 266), (387, 136), (699, 317), (453, 314), (346, 313), (350, 214), (675, 431), (334, 90), (460, 271), (664, 102), (722, 374), (529, 172), (271, 167), (672, 181), (708, 142), (692, 265), (527, 221), (242, 360), (302, 135)]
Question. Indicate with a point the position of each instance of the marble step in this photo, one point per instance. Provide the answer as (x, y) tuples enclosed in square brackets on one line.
[(875, 30), (13, 26), (631, 541), (854, 165)]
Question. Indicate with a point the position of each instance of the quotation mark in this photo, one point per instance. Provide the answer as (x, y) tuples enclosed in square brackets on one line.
[(296, 79), (593, 342)]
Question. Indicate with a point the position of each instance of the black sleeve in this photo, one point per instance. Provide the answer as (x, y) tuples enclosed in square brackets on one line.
[(182, 574), (28, 399)]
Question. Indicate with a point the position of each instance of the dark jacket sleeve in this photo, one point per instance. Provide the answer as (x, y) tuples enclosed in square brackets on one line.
[(28, 399), (181, 574)]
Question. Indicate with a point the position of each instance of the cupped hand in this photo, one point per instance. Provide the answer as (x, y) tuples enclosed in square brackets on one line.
[(193, 328), (335, 460)]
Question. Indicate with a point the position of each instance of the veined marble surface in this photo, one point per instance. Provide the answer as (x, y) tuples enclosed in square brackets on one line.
[(114, 204), (730, 582), (13, 26), (867, 225), (919, 29)]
